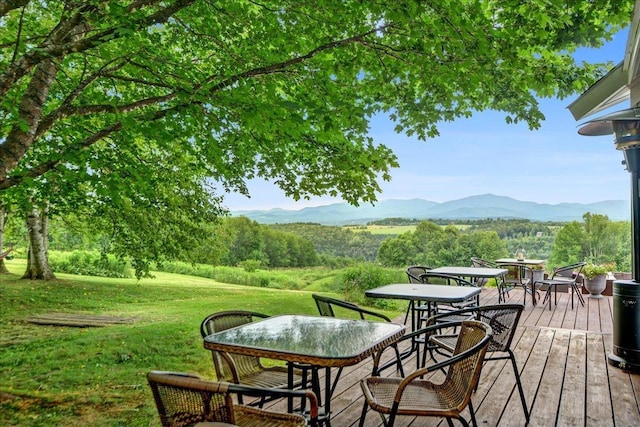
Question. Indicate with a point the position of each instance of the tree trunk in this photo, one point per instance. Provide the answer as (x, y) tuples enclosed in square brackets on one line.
[(38, 257), (3, 220)]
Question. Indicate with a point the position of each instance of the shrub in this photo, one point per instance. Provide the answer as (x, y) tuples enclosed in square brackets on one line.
[(89, 263), (251, 265), (355, 281)]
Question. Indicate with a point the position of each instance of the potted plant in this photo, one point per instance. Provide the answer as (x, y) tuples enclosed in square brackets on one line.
[(595, 278)]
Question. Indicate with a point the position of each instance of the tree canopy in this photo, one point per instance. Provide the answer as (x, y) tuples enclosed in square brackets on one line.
[(117, 99), (278, 89), (596, 240)]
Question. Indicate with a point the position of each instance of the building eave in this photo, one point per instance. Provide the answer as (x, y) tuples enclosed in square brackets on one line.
[(616, 86), (610, 90)]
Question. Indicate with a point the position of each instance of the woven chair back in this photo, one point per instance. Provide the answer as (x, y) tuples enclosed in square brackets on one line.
[(503, 319), (183, 401), (463, 375), (245, 365), (414, 272), (186, 399)]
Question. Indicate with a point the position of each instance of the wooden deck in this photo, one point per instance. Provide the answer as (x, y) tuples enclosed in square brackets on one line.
[(561, 354)]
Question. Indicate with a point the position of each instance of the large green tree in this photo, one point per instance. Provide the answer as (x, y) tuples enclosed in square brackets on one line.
[(434, 246), (596, 240), (282, 90)]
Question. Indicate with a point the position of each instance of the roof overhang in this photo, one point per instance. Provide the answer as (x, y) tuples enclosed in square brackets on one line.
[(610, 90), (615, 86)]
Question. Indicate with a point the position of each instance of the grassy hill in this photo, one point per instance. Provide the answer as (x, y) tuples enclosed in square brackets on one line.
[(70, 376)]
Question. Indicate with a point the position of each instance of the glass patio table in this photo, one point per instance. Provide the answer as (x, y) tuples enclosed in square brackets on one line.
[(319, 342), (475, 273), (471, 272), (428, 293), (431, 294)]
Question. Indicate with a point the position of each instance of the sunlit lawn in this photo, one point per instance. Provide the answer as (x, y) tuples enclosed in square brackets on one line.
[(392, 230), (63, 376)]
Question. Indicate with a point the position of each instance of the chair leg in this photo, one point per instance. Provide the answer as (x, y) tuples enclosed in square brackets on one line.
[(388, 422), (547, 297), (572, 292), (579, 294), (363, 414), (406, 316), (473, 416), (399, 360), (315, 384), (519, 383)]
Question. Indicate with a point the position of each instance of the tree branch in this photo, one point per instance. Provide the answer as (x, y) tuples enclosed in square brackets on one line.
[(269, 69), (21, 136), (7, 6), (58, 45)]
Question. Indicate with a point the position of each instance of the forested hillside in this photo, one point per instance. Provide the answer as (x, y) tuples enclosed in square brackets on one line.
[(337, 241), (243, 242)]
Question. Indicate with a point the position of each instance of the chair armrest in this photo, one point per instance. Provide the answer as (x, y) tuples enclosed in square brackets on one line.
[(426, 331), (372, 313), (418, 374), (280, 393)]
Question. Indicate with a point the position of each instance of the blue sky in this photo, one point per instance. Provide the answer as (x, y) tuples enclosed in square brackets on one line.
[(484, 155)]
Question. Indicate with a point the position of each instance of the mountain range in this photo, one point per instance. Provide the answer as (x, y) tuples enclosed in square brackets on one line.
[(473, 207)]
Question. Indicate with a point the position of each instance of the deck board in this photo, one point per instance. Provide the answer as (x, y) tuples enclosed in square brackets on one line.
[(598, 403), (562, 357), (561, 354), (572, 403)]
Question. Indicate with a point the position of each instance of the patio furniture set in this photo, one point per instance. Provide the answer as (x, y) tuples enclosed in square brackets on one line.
[(446, 321)]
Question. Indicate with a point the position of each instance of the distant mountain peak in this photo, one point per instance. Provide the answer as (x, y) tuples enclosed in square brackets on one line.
[(471, 207)]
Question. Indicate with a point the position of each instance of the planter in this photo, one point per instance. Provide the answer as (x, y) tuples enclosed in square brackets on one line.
[(596, 285), (620, 275)]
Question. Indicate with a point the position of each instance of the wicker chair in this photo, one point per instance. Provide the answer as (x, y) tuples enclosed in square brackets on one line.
[(566, 275), (185, 400), (414, 272), (242, 369), (416, 396), (503, 319)]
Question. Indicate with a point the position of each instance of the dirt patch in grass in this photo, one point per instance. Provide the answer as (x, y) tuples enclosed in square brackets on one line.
[(78, 320)]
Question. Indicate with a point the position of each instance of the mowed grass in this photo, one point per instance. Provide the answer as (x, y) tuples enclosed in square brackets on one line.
[(68, 376), (391, 230)]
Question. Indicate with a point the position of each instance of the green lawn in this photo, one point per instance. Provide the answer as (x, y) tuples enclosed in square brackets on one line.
[(392, 230), (64, 376)]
